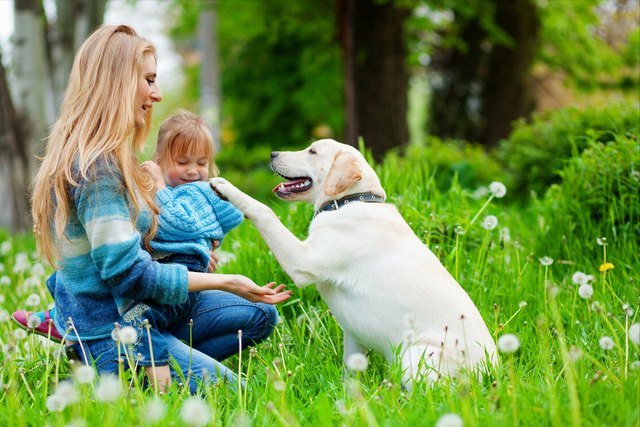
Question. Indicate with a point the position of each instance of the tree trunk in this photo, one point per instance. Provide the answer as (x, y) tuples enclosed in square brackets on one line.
[(14, 163), (508, 92), (209, 70), (89, 15), (33, 94), (478, 91), (376, 75)]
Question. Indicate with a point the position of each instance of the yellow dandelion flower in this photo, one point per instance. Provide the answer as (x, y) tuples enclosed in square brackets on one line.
[(606, 266)]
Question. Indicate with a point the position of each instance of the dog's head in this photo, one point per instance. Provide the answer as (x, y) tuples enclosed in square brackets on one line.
[(326, 170)]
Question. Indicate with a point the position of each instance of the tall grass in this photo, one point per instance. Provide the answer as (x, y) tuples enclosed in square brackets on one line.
[(559, 376)]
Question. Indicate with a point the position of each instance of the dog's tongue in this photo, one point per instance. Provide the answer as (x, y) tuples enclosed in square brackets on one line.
[(290, 185)]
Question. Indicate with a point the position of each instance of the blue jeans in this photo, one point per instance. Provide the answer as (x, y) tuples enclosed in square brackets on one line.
[(217, 317)]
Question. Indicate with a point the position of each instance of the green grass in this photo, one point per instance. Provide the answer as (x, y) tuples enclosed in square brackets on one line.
[(559, 376)]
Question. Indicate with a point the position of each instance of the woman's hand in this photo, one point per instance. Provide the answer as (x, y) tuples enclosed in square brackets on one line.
[(155, 173), (247, 289)]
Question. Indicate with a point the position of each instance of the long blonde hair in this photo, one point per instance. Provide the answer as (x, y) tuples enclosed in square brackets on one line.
[(184, 133), (97, 120)]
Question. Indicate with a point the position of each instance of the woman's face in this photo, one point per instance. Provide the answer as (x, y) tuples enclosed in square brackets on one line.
[(148, 91)]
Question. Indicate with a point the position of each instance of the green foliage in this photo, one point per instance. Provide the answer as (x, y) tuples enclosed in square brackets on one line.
[(535, 151), (600, 191), (280, 67)]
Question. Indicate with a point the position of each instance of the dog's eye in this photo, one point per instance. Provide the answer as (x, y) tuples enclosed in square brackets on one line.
[(312, 151)]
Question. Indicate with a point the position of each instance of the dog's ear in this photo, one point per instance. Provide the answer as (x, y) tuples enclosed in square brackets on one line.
[(344, 171)]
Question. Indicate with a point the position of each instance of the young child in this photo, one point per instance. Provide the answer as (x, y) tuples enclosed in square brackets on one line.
[(191, 219)]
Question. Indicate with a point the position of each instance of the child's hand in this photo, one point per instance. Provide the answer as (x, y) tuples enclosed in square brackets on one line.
[(247, 289), (155, 173)]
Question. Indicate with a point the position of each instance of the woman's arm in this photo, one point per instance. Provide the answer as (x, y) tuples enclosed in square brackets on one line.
[(239, 285)]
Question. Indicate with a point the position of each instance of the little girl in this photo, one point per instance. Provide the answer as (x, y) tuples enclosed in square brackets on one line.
[(191, 223)]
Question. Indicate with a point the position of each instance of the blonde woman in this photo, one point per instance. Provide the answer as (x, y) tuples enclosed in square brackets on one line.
[(94, 211)]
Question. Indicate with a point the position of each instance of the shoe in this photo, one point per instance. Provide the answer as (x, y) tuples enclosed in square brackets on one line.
[(21, 317)]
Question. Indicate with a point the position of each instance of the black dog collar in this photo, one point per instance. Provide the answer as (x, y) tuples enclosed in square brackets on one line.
[(334, 205)]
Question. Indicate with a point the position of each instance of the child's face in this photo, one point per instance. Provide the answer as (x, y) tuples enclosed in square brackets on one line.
[(185, 168)]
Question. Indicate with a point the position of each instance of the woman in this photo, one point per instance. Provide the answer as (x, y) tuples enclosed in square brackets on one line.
[(94, 210)]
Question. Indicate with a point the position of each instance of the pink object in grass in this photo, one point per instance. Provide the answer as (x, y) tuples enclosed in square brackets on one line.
[(21, 318)]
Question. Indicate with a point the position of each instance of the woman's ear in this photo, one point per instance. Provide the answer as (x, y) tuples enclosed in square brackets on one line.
[(344, 171)]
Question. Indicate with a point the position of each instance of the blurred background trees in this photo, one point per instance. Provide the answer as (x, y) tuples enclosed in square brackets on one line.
[(276, 74)]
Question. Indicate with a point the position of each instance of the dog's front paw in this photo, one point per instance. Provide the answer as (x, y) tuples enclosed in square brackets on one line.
[(226, 191)]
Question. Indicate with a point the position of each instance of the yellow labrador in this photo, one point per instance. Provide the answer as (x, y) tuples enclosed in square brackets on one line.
[(383, 285)]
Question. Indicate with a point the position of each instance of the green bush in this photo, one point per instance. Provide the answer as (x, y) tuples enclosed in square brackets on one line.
[(535, 151), (600, 191), (447, 161)]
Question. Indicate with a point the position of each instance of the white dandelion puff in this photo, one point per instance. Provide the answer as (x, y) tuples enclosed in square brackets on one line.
[(606, 343), (585, 291), (450, 420), (490, 222), (357, 362), (597, 307), (505, 235), (128, 335), (5, 247), (590, 278), (1, 299), (38, 270), (634, 333), (498, 189), (33, 300), (635, 365), (579, 278), (5, 281), (31, 282), (85, 374), (21, 263), (341, 407), (480, 192), (279, 385), (575, 353), (601, 240), (4, 316), (34, 321), (195, 412), (108, 389), (508, 343), (19, 334), (546, 261), (68, 392), (522, 304), (55, 403), (155, 410)]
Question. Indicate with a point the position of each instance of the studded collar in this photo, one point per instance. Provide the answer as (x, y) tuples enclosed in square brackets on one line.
[(334, 205)]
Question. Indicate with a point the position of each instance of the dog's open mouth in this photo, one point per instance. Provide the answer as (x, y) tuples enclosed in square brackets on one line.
[(293, 185)]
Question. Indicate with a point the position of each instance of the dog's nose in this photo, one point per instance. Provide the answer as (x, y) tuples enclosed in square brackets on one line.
[(274, 154)]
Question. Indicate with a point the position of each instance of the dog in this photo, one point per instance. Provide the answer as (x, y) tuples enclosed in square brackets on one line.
[(386, 289)]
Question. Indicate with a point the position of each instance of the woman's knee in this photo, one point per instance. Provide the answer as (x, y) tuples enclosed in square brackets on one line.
[(269, 322)]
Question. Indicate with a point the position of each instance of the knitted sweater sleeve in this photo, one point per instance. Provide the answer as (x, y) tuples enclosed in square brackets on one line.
[(103, 209)]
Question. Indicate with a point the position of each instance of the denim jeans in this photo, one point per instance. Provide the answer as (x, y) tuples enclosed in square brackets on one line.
[(217, 317)]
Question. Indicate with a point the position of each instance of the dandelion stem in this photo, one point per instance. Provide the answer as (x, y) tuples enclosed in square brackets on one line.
[(153, 362), (21, 371), (481, 209)]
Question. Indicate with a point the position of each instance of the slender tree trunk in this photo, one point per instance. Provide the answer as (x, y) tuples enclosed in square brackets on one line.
[(376, 75), (89, 15), (480, 90), (14, 163), (209, 70), (33, 94)]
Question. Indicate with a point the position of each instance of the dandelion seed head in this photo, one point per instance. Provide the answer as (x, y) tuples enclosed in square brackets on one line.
[(459, 230), (5, 281), (606, 343), (498, 189), (522, 304), (508, 343), (21, 263), (505, 235), (590, 278), (601, 240), (450, 420), (4, 316), (195, 412), (575, 353), (128, 335), (579, 278), (635, 365), (31, 282), (33, 300), (585, 291), (480, 192), (19, 334), (597, 307), (357, 362), (68, 392), (490, 222), (33, 321), (546, 261), (108, 389), (55, 403), (85, 374), (38, 270), (155, 410), (634, 333), (5, 247), (279, 385)]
